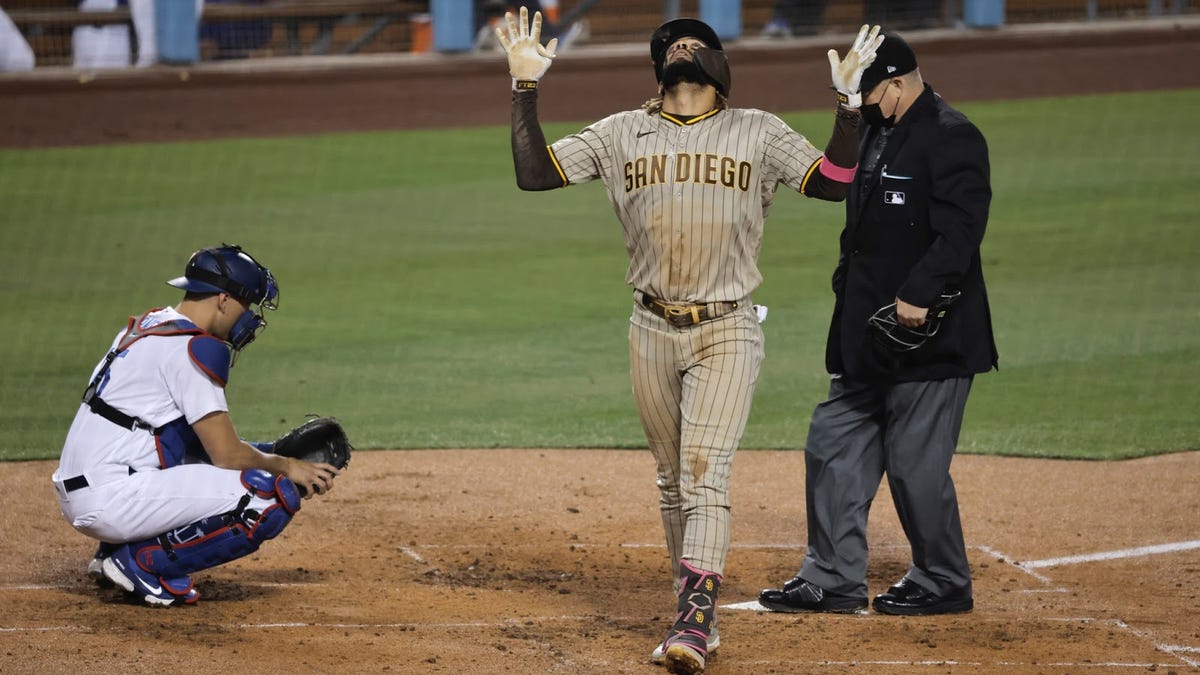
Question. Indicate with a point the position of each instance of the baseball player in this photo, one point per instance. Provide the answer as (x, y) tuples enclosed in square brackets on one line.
[(691, 181), (152, 466)]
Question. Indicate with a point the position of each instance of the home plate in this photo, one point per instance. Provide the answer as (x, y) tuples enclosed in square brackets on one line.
[(752, 606)]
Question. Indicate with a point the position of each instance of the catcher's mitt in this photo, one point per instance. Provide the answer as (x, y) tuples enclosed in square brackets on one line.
[(321, 440)]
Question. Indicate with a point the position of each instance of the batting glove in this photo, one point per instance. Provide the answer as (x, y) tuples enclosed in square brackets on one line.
[(528, 60), (847, 74)]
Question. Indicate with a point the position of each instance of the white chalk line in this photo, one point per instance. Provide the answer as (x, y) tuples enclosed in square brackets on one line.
[(526, 621), (412, 554), (1175, 650), (1007, 560), (1112, 555)]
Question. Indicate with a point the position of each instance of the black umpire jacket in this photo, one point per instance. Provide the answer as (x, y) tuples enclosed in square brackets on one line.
[(913, 233)]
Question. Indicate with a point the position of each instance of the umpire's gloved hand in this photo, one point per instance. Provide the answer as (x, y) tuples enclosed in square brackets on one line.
[(847, 74), (528, 60)]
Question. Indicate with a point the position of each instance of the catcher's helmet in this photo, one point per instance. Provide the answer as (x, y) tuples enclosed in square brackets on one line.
[(890, 333), (229, 269), (714, 65)]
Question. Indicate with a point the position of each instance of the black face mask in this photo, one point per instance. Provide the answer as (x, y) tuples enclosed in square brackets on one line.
[(873, 115)]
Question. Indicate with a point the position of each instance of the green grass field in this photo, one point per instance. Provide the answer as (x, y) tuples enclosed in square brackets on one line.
[(429, 303)]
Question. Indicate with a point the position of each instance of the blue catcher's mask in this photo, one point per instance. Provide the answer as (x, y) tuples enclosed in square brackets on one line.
[(229, 269)]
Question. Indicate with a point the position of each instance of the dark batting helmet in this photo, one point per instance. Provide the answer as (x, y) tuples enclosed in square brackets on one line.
[(891, 334), (711, 61)]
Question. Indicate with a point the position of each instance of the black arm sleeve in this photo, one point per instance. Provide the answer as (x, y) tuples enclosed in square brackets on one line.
[(842, 153), (534, 165)]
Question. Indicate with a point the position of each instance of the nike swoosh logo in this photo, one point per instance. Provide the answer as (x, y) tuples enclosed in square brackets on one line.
[(889, 175), (157, 590), (644, 133)]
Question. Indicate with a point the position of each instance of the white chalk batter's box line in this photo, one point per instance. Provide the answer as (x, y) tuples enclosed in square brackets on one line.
[(526, 621), (1028, 566)]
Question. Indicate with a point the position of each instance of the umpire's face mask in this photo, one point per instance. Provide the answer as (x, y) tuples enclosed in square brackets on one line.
[(872, 114)]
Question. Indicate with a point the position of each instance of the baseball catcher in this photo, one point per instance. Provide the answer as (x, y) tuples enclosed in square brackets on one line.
[(153, 467)]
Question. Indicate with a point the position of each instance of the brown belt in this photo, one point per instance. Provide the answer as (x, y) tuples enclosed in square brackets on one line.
[(682, 316)]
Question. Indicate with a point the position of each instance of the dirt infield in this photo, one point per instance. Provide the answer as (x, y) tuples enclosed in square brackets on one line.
[(545, 561)]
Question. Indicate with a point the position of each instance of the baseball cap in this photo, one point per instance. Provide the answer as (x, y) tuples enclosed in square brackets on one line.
[(893, 58)]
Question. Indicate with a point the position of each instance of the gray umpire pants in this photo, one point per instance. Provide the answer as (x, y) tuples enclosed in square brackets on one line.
[(910, 431)]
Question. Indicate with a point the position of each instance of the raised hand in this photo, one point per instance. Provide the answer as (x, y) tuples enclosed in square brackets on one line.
[(847, 73), (528, 60)]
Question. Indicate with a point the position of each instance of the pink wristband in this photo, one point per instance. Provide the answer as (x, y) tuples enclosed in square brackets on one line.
[(835, 172)]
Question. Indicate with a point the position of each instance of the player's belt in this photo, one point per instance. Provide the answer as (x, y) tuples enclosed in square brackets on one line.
[(684, 315), (79, 482)]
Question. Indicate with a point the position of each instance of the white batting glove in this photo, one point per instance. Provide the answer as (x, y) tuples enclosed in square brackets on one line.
[(847, 74), (528, 60)]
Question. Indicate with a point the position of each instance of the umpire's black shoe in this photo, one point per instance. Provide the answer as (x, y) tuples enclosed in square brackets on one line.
[(907, 598), (798, 595)]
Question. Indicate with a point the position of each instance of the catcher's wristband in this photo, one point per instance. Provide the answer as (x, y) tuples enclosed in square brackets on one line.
[(849, 101), (524, 85)]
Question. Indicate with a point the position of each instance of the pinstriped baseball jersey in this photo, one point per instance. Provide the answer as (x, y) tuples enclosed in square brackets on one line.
[(691, 196)]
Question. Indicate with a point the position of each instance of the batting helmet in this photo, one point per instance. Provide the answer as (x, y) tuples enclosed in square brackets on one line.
[(229, 269), (711, 61), (893, 335)]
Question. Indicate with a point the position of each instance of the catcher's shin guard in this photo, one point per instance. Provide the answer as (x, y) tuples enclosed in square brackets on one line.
[(687, 641), (262, 514)]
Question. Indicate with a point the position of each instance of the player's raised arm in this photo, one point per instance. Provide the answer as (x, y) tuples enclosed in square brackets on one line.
[(836, 170), (528, 60)]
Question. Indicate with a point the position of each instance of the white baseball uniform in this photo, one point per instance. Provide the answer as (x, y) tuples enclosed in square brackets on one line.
[(128, 494)]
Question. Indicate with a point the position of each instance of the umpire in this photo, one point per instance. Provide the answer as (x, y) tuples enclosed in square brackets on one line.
[(901, 373)]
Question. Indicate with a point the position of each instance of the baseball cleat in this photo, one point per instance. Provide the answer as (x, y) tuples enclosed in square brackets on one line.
[(122, 570), (684, 659), (798, 595), (659, 656), (95, 570)]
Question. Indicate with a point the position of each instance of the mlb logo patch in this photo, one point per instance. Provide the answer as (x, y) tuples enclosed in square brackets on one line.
[(892, 197)]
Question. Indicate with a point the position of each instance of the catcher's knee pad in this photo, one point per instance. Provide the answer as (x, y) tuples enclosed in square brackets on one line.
[(264, 511)]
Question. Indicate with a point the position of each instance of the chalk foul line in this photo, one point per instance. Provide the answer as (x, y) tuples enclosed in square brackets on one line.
[(1111, 555)]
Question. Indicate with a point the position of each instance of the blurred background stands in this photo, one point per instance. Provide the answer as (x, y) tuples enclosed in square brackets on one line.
[(268, 28)]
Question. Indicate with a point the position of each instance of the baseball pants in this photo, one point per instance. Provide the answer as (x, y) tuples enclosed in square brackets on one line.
[(148, 503), (693, 388), (910, 431)]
